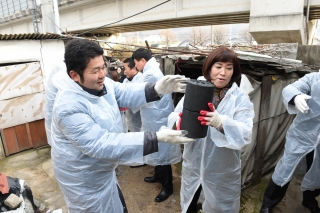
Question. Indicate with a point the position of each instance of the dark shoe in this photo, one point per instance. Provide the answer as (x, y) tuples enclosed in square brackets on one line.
[(265, 210), (163, 195), (152, 179), (312, 205)]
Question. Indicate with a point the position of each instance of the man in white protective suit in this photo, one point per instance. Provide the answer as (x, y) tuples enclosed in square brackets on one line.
[(168, 153), (133, 76), (86, 129), (303, 99)]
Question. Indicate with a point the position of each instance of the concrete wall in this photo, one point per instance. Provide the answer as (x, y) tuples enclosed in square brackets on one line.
[(17, 26), (88, 14), (111, 11), (309, 54), (271, 21), (274, 21)]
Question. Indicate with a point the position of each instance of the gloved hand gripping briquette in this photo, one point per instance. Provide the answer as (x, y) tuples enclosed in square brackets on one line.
[(171, 83), (212, 118)]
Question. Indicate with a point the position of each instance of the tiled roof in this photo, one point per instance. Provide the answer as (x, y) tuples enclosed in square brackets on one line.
[(30, 36)]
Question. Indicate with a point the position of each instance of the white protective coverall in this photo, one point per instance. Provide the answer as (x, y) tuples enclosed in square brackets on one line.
[(134, 119), (155, 115), (51, 92), (302, 135), (214, 161), (87, 143)]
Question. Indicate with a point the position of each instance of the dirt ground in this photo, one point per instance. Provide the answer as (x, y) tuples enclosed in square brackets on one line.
[(34, 166)]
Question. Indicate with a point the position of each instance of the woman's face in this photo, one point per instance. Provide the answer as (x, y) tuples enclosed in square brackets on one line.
[(221, 73)]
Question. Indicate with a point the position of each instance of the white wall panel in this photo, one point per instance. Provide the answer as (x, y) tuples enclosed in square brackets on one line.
[(21, 79), (22, 109)]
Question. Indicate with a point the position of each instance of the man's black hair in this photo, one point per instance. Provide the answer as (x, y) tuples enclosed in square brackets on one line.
[(141, 53), (130, 62), (78, 53)]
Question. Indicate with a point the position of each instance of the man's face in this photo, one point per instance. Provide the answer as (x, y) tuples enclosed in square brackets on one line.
[(140, 64), (128, 71), (93, 75)]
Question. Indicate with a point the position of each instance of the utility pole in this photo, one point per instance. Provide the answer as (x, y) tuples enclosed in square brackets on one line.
[(138, 38), (230, 32), (48, 17), (212, 35), (56, 16)]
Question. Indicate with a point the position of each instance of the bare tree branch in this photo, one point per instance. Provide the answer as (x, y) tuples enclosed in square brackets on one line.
[(197, 36), (246, 36), (219, 35), (167, 37), (132, 40)]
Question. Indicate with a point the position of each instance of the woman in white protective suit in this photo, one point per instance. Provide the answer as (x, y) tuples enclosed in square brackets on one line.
[(87, 142), (212, 164), (301, 98)]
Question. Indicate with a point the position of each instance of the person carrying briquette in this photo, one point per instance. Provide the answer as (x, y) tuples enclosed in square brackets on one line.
[(212, 164), (87, 143), (303, 99)]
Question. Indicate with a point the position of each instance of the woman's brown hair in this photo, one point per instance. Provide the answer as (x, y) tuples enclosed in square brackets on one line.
[(222, 54)]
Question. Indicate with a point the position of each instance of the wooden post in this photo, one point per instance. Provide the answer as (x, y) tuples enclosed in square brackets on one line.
[(262, 128), (29, 135), (161, 62), (2, 153)]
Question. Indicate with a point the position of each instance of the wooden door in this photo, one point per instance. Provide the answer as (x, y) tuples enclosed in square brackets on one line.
[(24, 136)]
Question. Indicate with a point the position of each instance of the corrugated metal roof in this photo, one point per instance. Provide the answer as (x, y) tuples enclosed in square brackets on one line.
[(182, 57), (255, 61), (32, 36)]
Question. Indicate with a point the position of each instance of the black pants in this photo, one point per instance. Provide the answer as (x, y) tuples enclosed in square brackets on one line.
[(164, 174), (274, 193), (193, 207)]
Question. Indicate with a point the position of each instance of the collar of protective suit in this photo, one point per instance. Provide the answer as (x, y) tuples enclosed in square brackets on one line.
[(63, 82), (95, 92), (130, 79), (150, 64)]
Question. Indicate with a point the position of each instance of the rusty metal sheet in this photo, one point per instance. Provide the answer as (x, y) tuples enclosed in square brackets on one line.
[(20, 79), (22, 109)]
